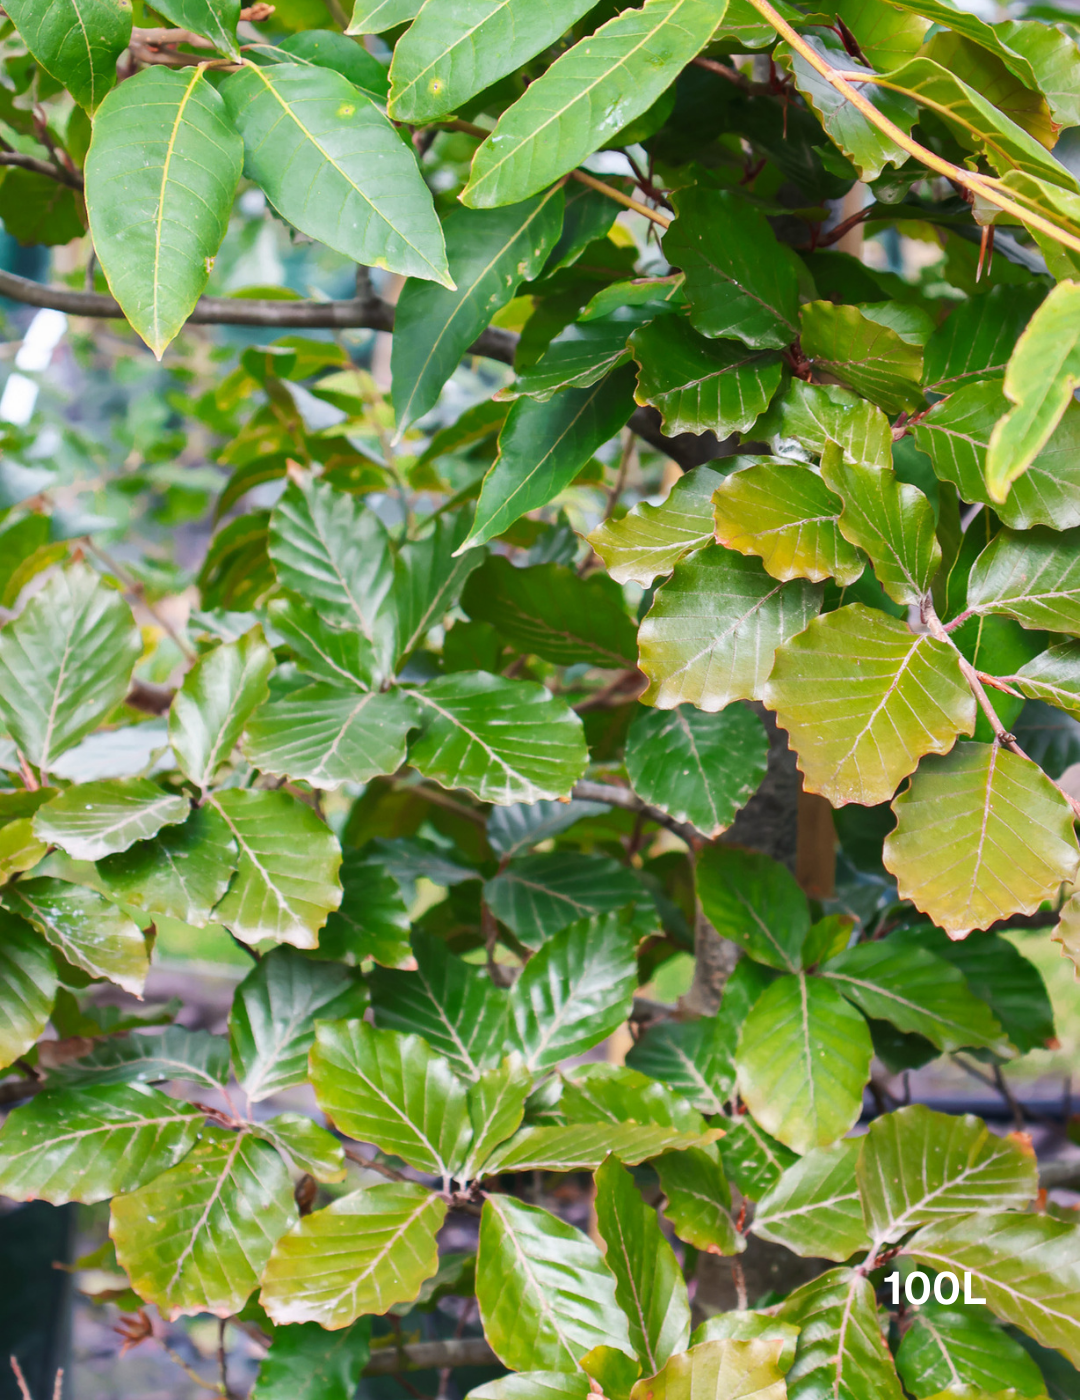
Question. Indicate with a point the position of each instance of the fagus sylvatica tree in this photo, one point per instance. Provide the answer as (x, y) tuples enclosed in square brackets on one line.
[(411, 667)]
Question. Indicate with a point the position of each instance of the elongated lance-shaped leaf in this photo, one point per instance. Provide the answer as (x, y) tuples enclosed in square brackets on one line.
[(583, 353), (574, 991), (392, 1090), (572, 1147), (333, 166), (306, 1362), (701, 385), (740, 281), (215, 20), (586, 96), (944, 1344), (754, 901), (77, 41), (161, 174), (334, 551), (891, 520), (543, 446), (92, 934), (286, 881), (326, 736), (785, 514), (197, 1238), (490, 252), (312, 1149), (738, 1369), (650, 540), (697, 767), (649, 1285), (546, 1296), (863, 353), (94, 820), (182, 873), (502, 740), (815, 1209), (919, 993), (537, 895), (65, 662), (803, 1059), (841, 1352), (455, 1006), (448, 56), (713, 629), (27, 987), (375, 16), (1042, 372), (362, 1254), (1034, 577), (863, 699), (815, 414), (981, 834), (88, 1144), (272, 1021), (208, 712), (698, 1200), (918, 1166), (174, 1053), (1027, 1267)]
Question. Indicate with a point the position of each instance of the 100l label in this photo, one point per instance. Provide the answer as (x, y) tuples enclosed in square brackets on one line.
[(917, 1288)]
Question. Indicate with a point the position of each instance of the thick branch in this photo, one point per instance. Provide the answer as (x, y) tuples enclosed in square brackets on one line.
[(42, 167), (430, 1356)]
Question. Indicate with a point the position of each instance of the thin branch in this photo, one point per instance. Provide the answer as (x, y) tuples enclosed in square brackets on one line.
[(630, 802), (138, 591), (620, 198), (20, 1379), (42, 167), (430, 1356), (371, 1164), (722, 70), (986, 187)]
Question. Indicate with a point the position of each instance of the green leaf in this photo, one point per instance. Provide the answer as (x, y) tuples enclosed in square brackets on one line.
[(815, 1209), (863, 698), (546, 1296), (697, 767), (20, 849), (1042, 372), (919, 1167), (362, 1254), (601, 1092), (286, 881), (326, 48), (650, 540), (981, 834), (586, 350), (215, 20), (918, 993), (740, 281), (311, 1148), (649, 1284), (161, 175), (574, 991), (737, 1370), (182, 873), (803, 1059), (91, 933), (429, 577), (698, 1200), (272, 1021), (891, 520), (543, 446), (174, 1053), (956, 433), (551, 612), (840, 1352), (747, 1327), (537, 895), (496, 1107), (376, 16), (502, 740), (535, 1385), (334, 654), (865, 354), (713, 629), (490, 252), (334, 167), (305, 1362), (1034, 577), (816, 414), (574, 1147), (785, 514), (97, 819), (334, 551), (392, 1090), (701, 385), (455, 1006), (65, 663), (946, 1345), (1067, 932), (208, 712), (752, 1159), (89, 1144), (196, 1238), (449, 56), (694, 1058), (76, 41), (1027, 1267), (326, 736), (586, 96), (372, 920), (976, 340), (754, 901), (1053, 676), (27, 987)]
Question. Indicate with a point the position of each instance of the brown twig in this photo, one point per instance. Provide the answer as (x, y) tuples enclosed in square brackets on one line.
[(20, 1379), (630, 802), (724, 71), (372, 1165)]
